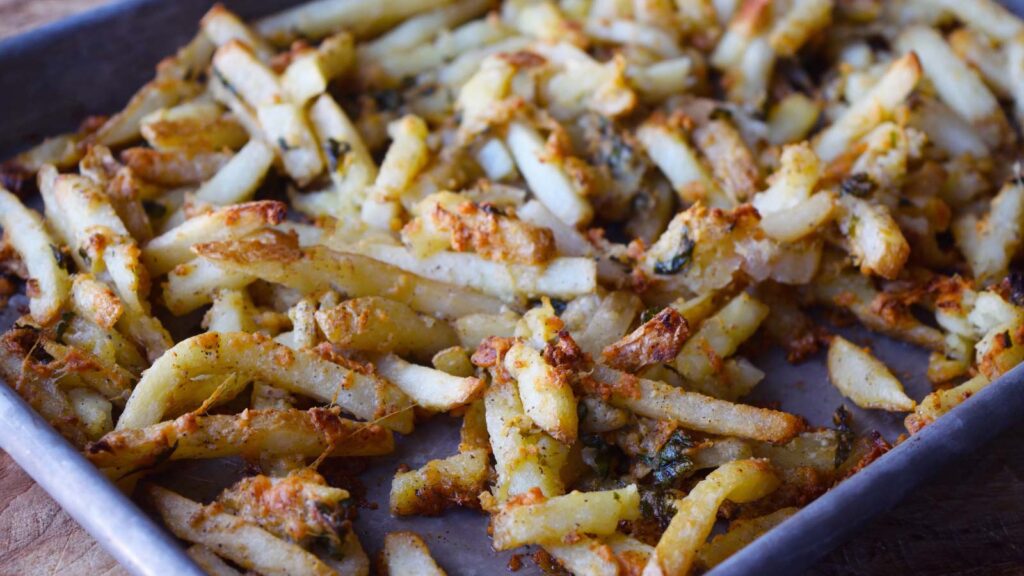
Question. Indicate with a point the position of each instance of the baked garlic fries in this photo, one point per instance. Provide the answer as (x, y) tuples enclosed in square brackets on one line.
[(565, 222)]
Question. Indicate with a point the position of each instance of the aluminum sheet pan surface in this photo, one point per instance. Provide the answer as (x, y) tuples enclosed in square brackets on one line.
[(55, 76)]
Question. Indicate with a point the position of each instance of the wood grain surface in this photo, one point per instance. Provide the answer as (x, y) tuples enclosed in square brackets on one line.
[(969, 521)]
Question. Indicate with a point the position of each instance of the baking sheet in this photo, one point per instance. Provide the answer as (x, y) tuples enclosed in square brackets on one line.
[(93, 63)]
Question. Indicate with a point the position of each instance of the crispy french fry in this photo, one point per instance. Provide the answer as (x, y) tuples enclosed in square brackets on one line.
[(454, 481), (318, 269), (376, 324), (533, 519), (241, 542), (407, 553), (546, 395), (693, 411), (863, 379), (253, 432), (171, 384), (429, 388), (174, 247), (869, 111), (49, 283), (741, 533), (740, 481)]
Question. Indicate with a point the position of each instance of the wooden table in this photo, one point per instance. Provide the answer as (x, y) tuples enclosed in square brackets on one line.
[(967, 522)]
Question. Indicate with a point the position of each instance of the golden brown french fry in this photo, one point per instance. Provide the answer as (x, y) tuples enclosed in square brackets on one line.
[(694, 411), (740, 481), (317, 269), (406, 553), (533, 519), (454, 481), (308, 433), (241, 542), (180, 380)]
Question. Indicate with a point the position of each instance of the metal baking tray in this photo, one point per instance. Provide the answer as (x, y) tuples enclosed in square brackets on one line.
[(55, 76)]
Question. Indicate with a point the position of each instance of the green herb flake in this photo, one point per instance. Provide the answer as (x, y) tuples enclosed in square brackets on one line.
[(842, 419), (675, 264), (859, 185), (61, 257), (336, 151)]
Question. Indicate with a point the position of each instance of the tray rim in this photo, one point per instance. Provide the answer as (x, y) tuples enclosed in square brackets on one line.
[(791, 547)]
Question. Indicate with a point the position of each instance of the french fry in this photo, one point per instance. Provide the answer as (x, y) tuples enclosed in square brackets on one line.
[(454, 481), (406, 553), (546, 395), (241, 72), (669, 150), (956, 84), (719, 337), (232, 311), (875, 239), (92, 410), (174, 168), (311, 71), (242, 542), (194, 283), (125, 126), (986, 15), (524, 460), (49, 283), (238, 180), (741, 481), (741, 533), (174, 247), (286, 126), (559, 278), (314, 20), (194, 127), (587, 556), (863, 379), (251, 433), (940, 402), (222, 26), (875, 107), (429, 388), (317, 269), (608, 323), (170, 385), (546, 178), (989, 242), (375, 324), (209, 562), (534, 519), (694, 411)]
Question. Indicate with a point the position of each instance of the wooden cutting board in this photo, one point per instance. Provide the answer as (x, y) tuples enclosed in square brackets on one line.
[(968, 522)]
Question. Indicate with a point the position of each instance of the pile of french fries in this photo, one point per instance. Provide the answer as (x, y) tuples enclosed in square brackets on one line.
[(566, 222)]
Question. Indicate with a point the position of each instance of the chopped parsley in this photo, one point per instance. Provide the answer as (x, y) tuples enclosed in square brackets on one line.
[(676, 263)]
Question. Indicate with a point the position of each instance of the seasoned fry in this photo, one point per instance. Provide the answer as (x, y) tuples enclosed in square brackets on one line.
[(241, 542), (455, 481), (429, 388), (406, 553), (318, 269), (48, 276), (253, 432), (879, 104), (180, 380), (653, 399), (533, 519), (375, 324), (546, 395), (863, 379), (174, 247), (740, 481)]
